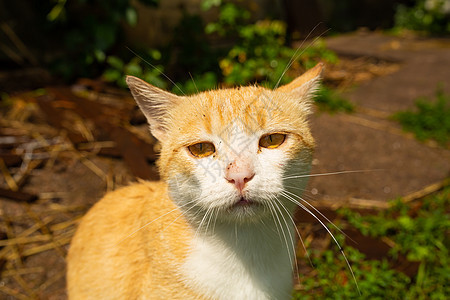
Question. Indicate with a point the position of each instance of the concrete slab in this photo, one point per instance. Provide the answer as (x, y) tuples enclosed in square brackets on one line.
[(396, 165), (425, 65)]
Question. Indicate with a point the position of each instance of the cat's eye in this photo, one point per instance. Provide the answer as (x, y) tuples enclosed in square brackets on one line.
[(273, 140), (202, 149)]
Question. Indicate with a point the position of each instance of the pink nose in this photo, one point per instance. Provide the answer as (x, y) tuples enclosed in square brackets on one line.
[(239, 173)]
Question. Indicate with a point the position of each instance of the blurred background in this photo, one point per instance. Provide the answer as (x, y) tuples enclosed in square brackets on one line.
[(70, 131)]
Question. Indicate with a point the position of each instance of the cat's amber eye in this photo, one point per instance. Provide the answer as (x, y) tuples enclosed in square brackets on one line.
[(202, 149), (273, 140)]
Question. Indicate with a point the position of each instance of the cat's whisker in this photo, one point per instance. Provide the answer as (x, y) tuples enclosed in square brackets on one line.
[(193, 81), (296, 188), (209, 219), (156, 68), (210, 207), (298, 233), (272, 213), (295, 56), (320, 213), (282, 230), (215, 220), (328, 174), (329, 232), (290, 236)]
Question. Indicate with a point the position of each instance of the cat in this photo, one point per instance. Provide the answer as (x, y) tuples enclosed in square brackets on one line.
[(219, 225)]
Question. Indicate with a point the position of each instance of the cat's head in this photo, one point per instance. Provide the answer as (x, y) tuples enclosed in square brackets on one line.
[(232, 152)]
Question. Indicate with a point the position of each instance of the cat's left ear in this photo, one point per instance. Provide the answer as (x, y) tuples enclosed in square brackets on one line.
[(154, 103), (304, 86)]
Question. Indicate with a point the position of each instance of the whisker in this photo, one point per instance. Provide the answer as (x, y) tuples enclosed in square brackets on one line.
[(209, 219), (215, 220), (329, 232), (285, 221), (272, 212), (290, 236), (329, 173), (193, 81), (320, 213), (296, 188), (298, 233), (295, 57), (201, 222), (282, 230), (156, 68)]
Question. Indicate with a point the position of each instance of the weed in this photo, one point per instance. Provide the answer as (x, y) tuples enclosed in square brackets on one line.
[(330, 101), (419, 233), (430, 121), (376, 279)]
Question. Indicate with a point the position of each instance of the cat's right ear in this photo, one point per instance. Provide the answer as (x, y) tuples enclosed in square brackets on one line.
[(154, 103)]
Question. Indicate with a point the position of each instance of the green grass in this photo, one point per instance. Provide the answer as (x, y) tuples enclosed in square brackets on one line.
[(330, 101), (430, 120), (419, 232)]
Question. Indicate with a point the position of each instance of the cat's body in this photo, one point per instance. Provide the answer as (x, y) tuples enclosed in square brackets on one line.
[(219, 225)]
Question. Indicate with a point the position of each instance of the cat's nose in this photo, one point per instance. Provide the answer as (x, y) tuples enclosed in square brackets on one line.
[(239, 174)]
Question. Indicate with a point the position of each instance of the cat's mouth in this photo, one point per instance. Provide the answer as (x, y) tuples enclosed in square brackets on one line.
[(244, 202)]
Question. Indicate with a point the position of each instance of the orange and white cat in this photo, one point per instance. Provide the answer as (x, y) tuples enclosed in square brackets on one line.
[(219, 225)]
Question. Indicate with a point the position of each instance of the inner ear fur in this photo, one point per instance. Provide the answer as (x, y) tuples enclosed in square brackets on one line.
[(154, 103)]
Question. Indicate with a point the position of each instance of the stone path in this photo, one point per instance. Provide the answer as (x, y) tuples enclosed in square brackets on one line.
[(368, 140)]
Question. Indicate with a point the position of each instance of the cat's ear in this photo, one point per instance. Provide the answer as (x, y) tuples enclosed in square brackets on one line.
[(154, 103), (304, 86)]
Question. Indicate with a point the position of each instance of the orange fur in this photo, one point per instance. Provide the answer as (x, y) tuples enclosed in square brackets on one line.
[(124, 265)]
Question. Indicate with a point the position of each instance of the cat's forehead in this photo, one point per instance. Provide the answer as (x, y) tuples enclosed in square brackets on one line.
[(246, 105), (248, 108)]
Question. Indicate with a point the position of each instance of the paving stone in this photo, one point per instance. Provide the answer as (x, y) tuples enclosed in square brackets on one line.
[(396, 165), (425, 65)]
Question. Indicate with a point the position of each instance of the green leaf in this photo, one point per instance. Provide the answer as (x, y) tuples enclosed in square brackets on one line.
[(133, 69), (406, 222), (208, 4), (112, 75), (115, 62), (56, 11), (99, 55), (131, 16)]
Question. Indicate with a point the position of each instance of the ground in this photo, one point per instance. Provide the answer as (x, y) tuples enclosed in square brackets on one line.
[(69, 152)]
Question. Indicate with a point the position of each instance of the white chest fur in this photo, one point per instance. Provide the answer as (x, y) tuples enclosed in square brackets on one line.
[(252, 261)]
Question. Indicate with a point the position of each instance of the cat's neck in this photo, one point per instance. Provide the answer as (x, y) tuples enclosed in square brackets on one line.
[(249, 259)]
